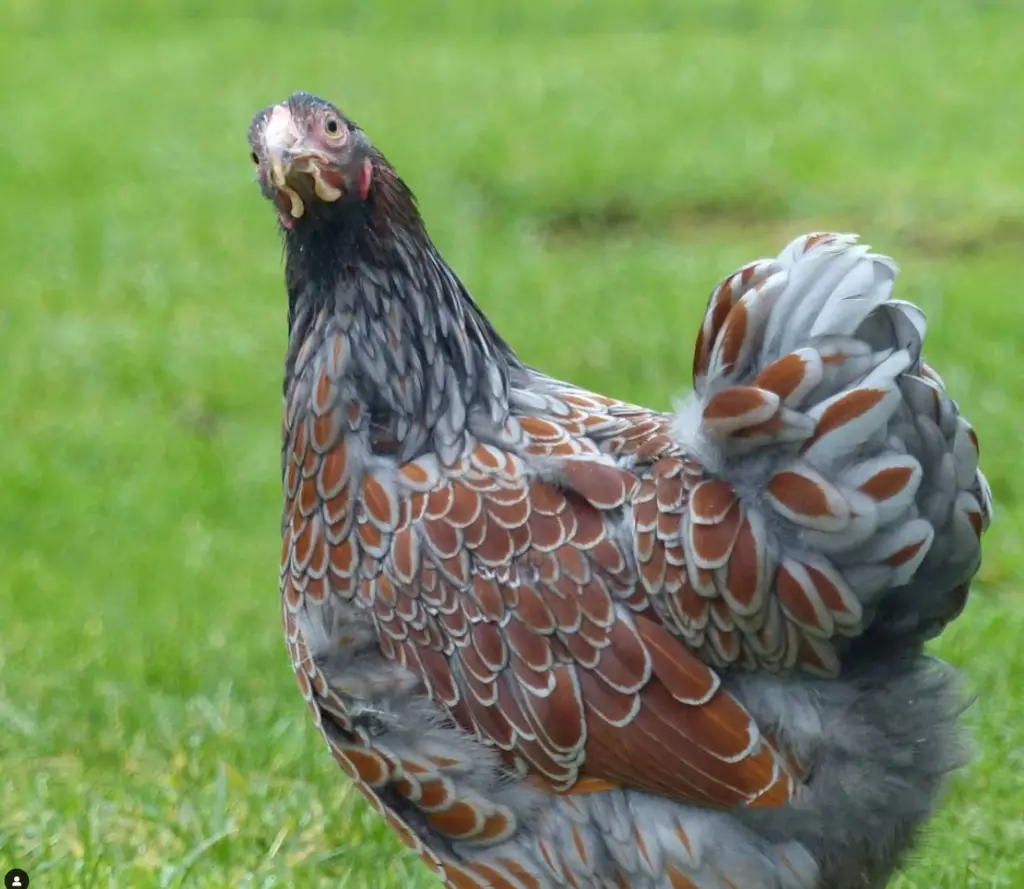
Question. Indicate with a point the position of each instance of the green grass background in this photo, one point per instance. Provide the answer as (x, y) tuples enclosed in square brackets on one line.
[(591, 170)]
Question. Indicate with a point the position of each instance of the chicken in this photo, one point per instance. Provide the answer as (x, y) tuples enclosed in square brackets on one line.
[(558, 640)]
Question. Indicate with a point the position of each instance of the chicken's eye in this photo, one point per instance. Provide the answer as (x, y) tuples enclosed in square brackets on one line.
[(255, 158), (331, 125)]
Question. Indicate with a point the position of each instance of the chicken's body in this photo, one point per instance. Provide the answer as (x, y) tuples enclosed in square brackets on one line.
[(563, 641)]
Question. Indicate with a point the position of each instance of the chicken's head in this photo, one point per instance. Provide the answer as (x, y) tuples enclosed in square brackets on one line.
[(309, 158)]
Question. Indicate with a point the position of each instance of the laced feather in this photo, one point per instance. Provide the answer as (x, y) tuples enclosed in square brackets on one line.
[(860, 498)]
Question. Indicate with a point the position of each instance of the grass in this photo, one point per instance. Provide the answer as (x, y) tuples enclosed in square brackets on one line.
[(591, 172)]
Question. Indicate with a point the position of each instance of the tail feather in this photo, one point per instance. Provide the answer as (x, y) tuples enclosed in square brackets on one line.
[(857, 477)]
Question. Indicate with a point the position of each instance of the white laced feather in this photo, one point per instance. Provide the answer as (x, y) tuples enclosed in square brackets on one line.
[(861, 495)]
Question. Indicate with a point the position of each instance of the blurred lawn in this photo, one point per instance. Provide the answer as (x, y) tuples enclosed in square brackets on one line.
[(591, 172)]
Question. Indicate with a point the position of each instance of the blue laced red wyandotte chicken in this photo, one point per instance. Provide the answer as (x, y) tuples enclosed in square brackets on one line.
[(558, 640)]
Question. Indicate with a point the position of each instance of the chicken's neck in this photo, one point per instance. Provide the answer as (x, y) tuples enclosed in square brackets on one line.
[(421, 358)]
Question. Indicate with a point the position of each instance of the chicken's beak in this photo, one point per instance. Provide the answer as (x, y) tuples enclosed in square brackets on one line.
[(283, 142), (285, 146), (289, 154)]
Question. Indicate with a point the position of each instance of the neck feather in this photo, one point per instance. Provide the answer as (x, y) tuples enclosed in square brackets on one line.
[(424, 361)]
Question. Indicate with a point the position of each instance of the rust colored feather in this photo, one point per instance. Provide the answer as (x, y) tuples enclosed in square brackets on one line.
[(711, 501), (733, 402), (802, 495), (745, 575), (784, 376), (843, 410), (603, 486), (732, 335), (712, 544), (458, 877), (678, 880)]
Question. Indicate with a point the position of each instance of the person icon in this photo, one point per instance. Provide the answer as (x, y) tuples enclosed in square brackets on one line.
[(16, 878)]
